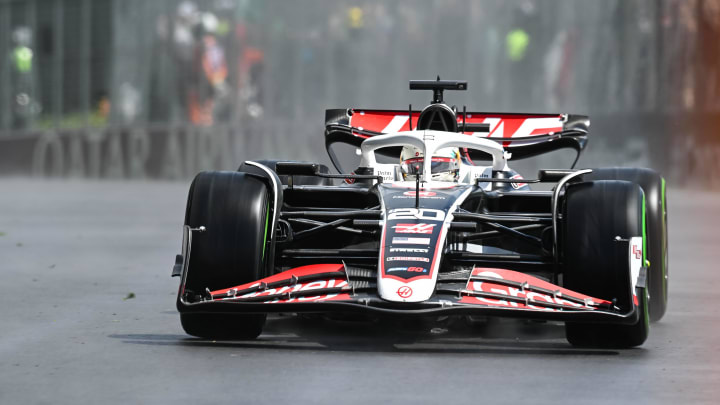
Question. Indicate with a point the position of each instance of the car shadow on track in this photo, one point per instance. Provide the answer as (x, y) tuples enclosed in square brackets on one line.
[(491, 336)]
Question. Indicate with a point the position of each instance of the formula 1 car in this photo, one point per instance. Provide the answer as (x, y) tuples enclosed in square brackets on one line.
[(432, 223)]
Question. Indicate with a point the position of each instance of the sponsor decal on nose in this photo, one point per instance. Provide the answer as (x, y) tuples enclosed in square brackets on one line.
[(414, 228), (410, 241), (412, 269), (408, 250), (407, 259)]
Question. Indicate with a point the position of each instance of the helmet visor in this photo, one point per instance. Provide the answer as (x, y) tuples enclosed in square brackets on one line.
[(414, 166)]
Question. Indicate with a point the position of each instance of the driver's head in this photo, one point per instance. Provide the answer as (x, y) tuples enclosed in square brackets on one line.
[(445, 164)]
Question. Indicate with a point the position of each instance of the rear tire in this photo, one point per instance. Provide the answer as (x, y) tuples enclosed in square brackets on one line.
[(234, 209), (653, 186), (598, 265)]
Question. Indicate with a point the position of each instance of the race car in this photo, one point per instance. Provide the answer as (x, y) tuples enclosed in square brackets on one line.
[(431, 223)]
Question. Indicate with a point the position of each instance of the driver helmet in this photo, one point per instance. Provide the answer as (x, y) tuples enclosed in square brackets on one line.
[(445, 164)]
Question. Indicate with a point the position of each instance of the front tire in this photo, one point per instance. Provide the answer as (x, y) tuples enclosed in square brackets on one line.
[(653, 186), (234, 209), (597, 264), (223, 326)]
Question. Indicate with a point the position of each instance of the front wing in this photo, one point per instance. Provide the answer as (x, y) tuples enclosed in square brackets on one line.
[(338, 288)]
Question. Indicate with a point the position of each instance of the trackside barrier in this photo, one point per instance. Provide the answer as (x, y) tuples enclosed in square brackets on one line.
[(120, 153), (682, 147)]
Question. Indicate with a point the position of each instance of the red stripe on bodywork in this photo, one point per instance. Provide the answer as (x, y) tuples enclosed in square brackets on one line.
[(279, 294), (297, 272), (504, 274), (377, 120)]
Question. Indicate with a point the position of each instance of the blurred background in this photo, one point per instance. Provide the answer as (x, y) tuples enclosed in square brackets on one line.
[(165, 88)]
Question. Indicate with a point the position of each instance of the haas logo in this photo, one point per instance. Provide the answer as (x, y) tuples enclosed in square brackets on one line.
[(404, 292), (414, 228)]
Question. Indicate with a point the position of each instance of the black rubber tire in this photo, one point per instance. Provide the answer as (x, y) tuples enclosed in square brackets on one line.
[(596, 264), (234, 209), (657, 231), (223, 326), (297, 180)]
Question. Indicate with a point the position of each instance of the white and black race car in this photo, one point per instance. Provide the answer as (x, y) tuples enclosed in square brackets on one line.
[(398, 239)]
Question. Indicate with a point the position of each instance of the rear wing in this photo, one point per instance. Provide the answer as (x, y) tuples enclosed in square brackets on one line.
[(523, 135)]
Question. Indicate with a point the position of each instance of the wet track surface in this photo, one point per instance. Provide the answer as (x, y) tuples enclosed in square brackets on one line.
[(87, 314)]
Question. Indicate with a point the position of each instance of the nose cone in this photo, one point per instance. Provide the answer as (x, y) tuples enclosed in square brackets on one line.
[(413, 237)]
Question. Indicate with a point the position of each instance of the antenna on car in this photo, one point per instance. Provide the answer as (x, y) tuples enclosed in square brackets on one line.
[(417, 186), (437, 87), (464, 114)]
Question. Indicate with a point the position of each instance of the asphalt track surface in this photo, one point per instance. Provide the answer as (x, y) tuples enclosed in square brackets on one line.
[(87, 316)]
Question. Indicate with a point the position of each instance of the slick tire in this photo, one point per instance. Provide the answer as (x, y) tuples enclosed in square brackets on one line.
[(234, 209), (297, 180), (596, 264), (653, 186), (223, 326)]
